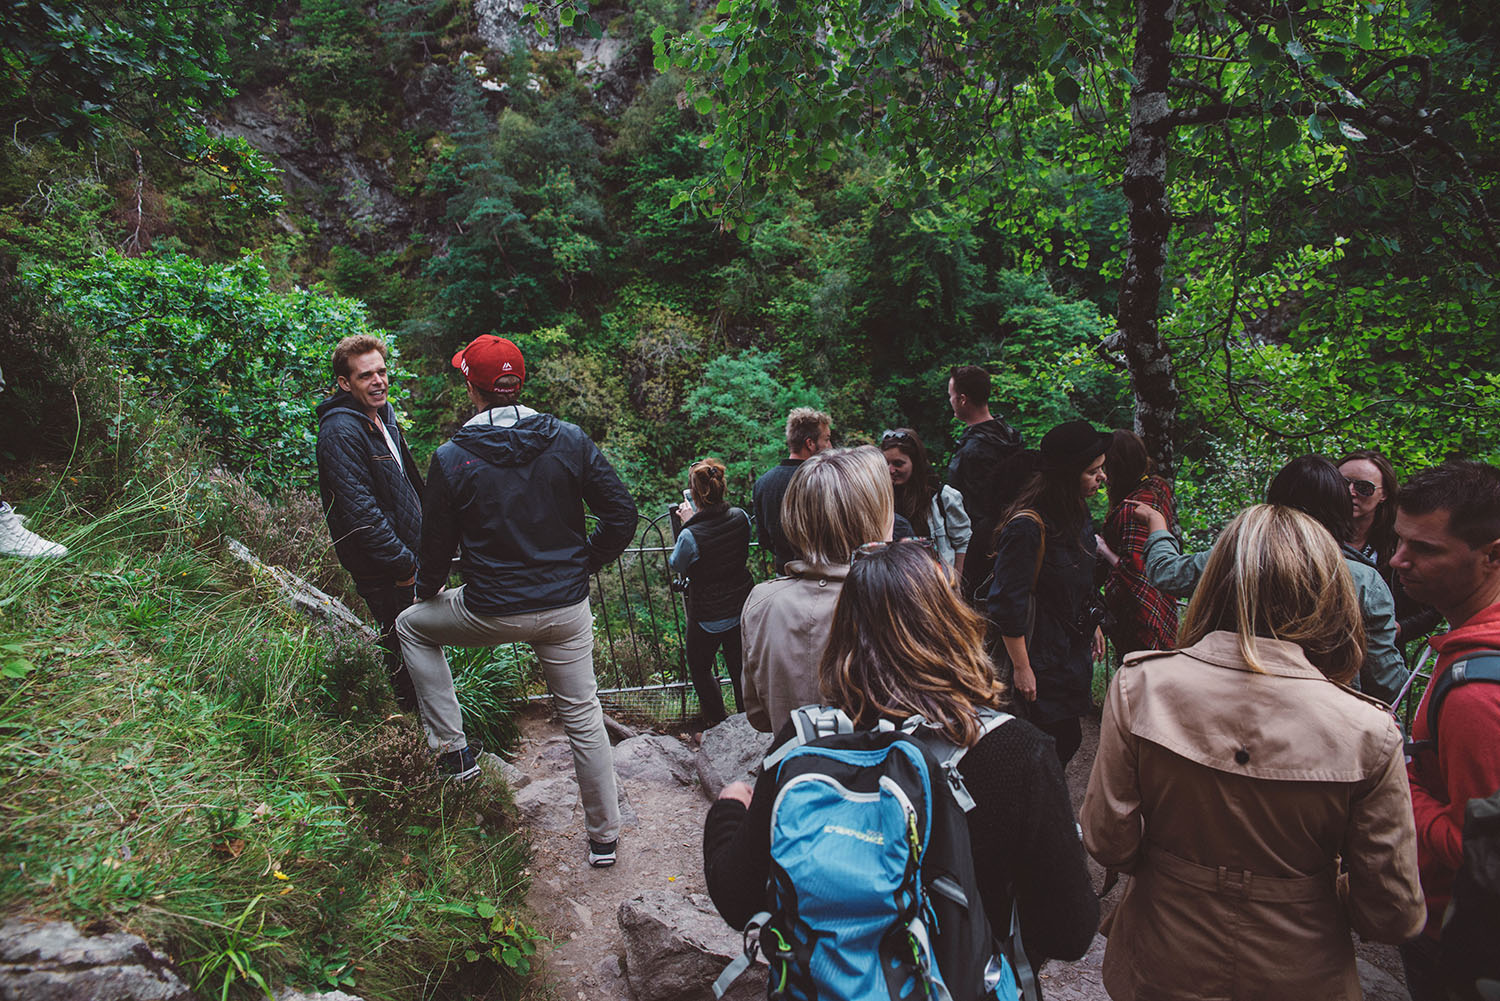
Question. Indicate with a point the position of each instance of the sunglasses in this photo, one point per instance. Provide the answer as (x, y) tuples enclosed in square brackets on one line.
[(1362, 487), (876, 548), (886, 437)]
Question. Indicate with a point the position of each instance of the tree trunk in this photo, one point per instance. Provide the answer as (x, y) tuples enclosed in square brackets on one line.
[(1145, 187)]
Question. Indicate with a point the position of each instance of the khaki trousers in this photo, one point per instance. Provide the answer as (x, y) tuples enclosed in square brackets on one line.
[(563, 639)]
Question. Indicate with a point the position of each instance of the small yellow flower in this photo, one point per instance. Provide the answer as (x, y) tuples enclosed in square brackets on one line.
[(281, 875)]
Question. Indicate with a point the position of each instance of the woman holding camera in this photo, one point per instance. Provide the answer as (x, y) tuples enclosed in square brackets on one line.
[(711, 552), (1043, 600)]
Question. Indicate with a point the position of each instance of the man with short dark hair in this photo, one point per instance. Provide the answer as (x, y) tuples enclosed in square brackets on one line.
[(510, 487), (983, 469), (808, 432), (1448, 521), (372, 493)]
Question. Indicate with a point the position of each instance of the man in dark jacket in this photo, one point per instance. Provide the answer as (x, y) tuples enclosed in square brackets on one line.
[(510, 487), (808, 432), (372, 493), (985, 468)]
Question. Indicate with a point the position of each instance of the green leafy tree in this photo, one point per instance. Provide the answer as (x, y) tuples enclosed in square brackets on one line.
[(737, 413)]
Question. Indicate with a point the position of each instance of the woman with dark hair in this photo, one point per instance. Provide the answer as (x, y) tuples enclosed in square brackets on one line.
[(1313, 485), (711, 551), (904, 643), (1260, 809), (934, 511), (1143, 617), (1374, 490), (1043, 600)]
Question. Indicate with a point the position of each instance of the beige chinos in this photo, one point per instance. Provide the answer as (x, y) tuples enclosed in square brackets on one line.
[(563, 639)]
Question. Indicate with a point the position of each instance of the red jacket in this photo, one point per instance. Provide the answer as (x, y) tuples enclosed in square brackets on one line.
[(1466, 765)]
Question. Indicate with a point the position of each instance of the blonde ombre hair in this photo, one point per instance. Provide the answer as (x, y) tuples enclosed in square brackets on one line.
[(903, 643), (837, 501), (1277, 573)]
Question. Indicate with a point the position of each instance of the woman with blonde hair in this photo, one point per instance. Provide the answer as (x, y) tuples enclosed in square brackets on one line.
[(1236, 776), (836, 502), (711, 552), (904, 643)]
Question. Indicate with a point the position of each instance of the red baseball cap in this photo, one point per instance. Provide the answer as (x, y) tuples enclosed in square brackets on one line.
[(488, 358)]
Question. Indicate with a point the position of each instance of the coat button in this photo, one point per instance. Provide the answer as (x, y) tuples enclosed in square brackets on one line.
[(1242, 757)]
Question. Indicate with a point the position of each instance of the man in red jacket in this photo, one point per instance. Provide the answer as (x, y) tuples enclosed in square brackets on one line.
[(1448, 519)]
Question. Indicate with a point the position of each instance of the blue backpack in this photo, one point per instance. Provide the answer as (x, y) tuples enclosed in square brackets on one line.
[(871, 895)]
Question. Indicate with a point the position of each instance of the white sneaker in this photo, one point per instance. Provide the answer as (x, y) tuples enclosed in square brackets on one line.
[(15, 540)]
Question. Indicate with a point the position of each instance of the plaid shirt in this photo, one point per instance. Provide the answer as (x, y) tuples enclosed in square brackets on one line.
[(1145, 618)]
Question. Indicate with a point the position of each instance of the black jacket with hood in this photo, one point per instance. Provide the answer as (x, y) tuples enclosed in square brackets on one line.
[(986, 471), (513, 496), (372, 504)]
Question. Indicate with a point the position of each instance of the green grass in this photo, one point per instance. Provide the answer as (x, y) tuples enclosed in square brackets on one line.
[(185, 760)]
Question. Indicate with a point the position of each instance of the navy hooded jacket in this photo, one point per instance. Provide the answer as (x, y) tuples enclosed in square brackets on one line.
[(513, 498)]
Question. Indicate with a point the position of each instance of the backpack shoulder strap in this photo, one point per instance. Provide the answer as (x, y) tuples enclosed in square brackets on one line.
[(1476, 667), (1042, 549), (949, 754), (810, 722)]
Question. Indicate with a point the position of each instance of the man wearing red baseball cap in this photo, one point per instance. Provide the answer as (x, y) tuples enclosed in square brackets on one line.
[(509, 490)]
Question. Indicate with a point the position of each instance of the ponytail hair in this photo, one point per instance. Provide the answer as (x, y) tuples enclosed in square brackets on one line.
[(706, 480)]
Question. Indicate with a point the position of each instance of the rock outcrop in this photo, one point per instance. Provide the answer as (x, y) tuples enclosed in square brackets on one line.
[(730, 751), (677, 945), (53, 961)]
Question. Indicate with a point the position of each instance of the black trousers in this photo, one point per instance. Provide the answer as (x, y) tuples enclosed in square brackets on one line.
[(1066, 734), (1419, 961), (387, 601), (701, 647)]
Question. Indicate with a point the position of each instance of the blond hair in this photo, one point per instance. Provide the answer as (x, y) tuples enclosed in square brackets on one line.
[(805, 423), (837, 501), (1277, 573)]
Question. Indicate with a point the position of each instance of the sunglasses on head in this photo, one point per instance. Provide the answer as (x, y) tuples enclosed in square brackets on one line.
[(1362, 487), (875, 548), (886, 437)]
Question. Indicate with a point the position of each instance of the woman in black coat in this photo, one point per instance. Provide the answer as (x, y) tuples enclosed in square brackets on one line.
[(1043, 600)]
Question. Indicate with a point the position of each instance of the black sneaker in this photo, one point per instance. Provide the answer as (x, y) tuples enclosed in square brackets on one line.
[(601, 856), (460, 766)]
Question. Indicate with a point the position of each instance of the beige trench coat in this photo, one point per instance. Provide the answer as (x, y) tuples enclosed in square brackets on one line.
[(1230, 796), (784, 626)]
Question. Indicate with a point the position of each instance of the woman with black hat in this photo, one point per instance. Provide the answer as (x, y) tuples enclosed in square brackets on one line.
[(1043, 599)]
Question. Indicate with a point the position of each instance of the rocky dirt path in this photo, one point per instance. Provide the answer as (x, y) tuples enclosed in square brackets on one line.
[(661, 850)]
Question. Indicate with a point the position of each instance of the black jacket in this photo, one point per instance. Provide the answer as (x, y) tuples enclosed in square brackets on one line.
[(766, 497), (514, 498), (373, 506), (986, 471), (1060, 643)]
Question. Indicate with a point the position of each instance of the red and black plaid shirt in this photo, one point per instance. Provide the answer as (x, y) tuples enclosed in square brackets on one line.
[(1145, 619)]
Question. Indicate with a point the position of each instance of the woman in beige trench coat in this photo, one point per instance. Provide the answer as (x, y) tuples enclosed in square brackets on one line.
[(1236, 779)]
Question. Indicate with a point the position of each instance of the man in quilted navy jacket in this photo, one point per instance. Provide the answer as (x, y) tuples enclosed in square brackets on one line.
[(510, 490), (372, 493)]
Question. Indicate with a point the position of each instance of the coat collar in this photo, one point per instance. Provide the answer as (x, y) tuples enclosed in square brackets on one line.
[(836, 571), (1277, 657)]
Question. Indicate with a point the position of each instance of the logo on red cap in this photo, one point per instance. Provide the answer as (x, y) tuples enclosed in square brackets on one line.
[(487, 359)]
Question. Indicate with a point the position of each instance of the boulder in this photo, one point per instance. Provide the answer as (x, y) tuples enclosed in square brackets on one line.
[(53, 961), (552, 804), (1377, 984), (676, 946), (287, 994), (655, 759), (730, 751)]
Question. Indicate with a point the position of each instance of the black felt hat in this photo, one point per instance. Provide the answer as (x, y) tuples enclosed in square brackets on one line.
[(1076, 443)]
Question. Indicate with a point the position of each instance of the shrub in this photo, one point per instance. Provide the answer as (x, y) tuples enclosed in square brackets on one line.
[(244, 361)]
